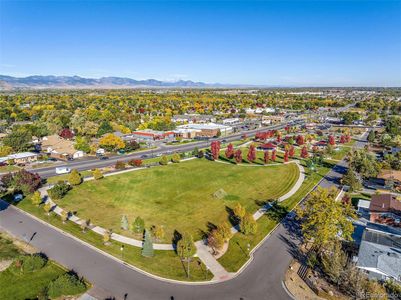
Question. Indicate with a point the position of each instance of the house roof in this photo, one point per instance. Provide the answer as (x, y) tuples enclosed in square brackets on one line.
[(384, 203), (58, 145), (380, 251), (390, 174), (22, 155)]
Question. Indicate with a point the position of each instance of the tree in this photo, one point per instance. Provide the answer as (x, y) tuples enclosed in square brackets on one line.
[(107, 236), (304, 152), (248, 224), (75, 177), (135, 162), (64, 216), (229, 151), (104, 128), (225, 230), (36, 198), (97, 174), (215, 240), (195, 152), (332, 140), (342, 139), (334, 261), (66, 134), (139, 225), (239, 211), (124, 223), (364, 163), (286, 156), (274, 156), (175, 158), (120, 165), (19, 140), (158, 232), (185, 246), (59, 190), (81, 143), (215, 149), (85, 225), (300, 140), (111, 142), (266, 157), (132, 146), (147, 248), (386, 139), (351, 180), (5, 151), (251, 153), (238, 156), (23, 181), (47, 207), (291, 152), (324, 219), (371, 136), (163, 160)]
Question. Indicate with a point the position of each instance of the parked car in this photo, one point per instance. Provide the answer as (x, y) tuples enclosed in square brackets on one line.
[(103, 157), (63, 170), (18, 197)]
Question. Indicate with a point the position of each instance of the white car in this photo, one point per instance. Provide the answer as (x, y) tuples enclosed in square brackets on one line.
[(63, 170)]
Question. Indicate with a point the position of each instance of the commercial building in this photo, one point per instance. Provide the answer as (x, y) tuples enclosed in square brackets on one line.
[(20, 158), (208, 129), (148, 135)]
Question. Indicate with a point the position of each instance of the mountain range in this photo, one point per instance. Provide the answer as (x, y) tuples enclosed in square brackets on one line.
[(62, 82)]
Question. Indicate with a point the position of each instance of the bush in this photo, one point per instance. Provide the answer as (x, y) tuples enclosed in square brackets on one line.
[(135, 162), (97, 174), (75, 178), (164, 160), (175, 158), (120, 165), (36, 198), (67, 284), (30, 263), (59, 190)]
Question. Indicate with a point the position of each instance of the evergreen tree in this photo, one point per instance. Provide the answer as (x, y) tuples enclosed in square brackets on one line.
[(97, 174), (351, 180), (371, 136), (175, 158), (239, 211), (75, 178), (147, 248), (104, 128), (164, 160), (139, 225), (124, 222)]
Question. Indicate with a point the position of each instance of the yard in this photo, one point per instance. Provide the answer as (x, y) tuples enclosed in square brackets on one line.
[(178, 196)]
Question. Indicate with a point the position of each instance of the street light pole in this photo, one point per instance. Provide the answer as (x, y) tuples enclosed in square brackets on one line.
[(122, 252)]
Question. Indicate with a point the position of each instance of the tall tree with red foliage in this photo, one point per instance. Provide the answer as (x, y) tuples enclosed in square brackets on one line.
[(314, 149), (278, 138), (286, 156), (251, 153), (342, 139), (291, 152), (332, 141), (230, 151), (266, 157), (238, 156), (66, 133), (348, 138), (304, 152), (274, 156), (300, 140), (215, 148)]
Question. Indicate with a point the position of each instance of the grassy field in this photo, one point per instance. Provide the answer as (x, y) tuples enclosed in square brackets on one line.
[(164, 263), (178, 196), (6, 169), (236, 254), (16, 285)]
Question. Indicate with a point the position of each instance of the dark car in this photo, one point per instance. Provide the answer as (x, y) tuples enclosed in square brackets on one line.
[(103, 157)]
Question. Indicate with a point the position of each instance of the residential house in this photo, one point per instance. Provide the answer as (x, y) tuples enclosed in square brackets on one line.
[(60, 148), (20, 158), (379, 254), (385, 209)]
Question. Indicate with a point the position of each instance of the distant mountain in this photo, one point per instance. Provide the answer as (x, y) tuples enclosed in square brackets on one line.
[(60, 82)]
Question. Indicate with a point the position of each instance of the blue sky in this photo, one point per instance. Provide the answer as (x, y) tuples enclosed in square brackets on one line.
[(263, 42)]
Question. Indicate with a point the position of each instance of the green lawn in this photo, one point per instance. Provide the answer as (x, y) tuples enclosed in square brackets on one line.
[(57, 178), (236, 254), (27, 285), (6, 169), (259, 156), (178, 196), (165, 263)]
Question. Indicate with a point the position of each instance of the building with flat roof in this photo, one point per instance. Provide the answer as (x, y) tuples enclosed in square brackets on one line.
[(20, 158), (208, 129), (152, 135)]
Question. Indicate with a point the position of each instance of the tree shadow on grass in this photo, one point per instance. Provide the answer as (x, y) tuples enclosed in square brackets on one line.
[(231, 216), (277, 212)]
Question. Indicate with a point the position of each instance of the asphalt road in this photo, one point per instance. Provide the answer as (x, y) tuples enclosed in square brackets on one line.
[(262, 279)]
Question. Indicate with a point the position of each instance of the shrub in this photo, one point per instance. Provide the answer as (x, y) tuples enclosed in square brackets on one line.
[(30, 263), (139, 225), (120, 165), (75, 178), (59, 190), (135, 162), (175, 158), (97, 174), (201, 154), (164, 160), (67, 284), (248, 224)]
